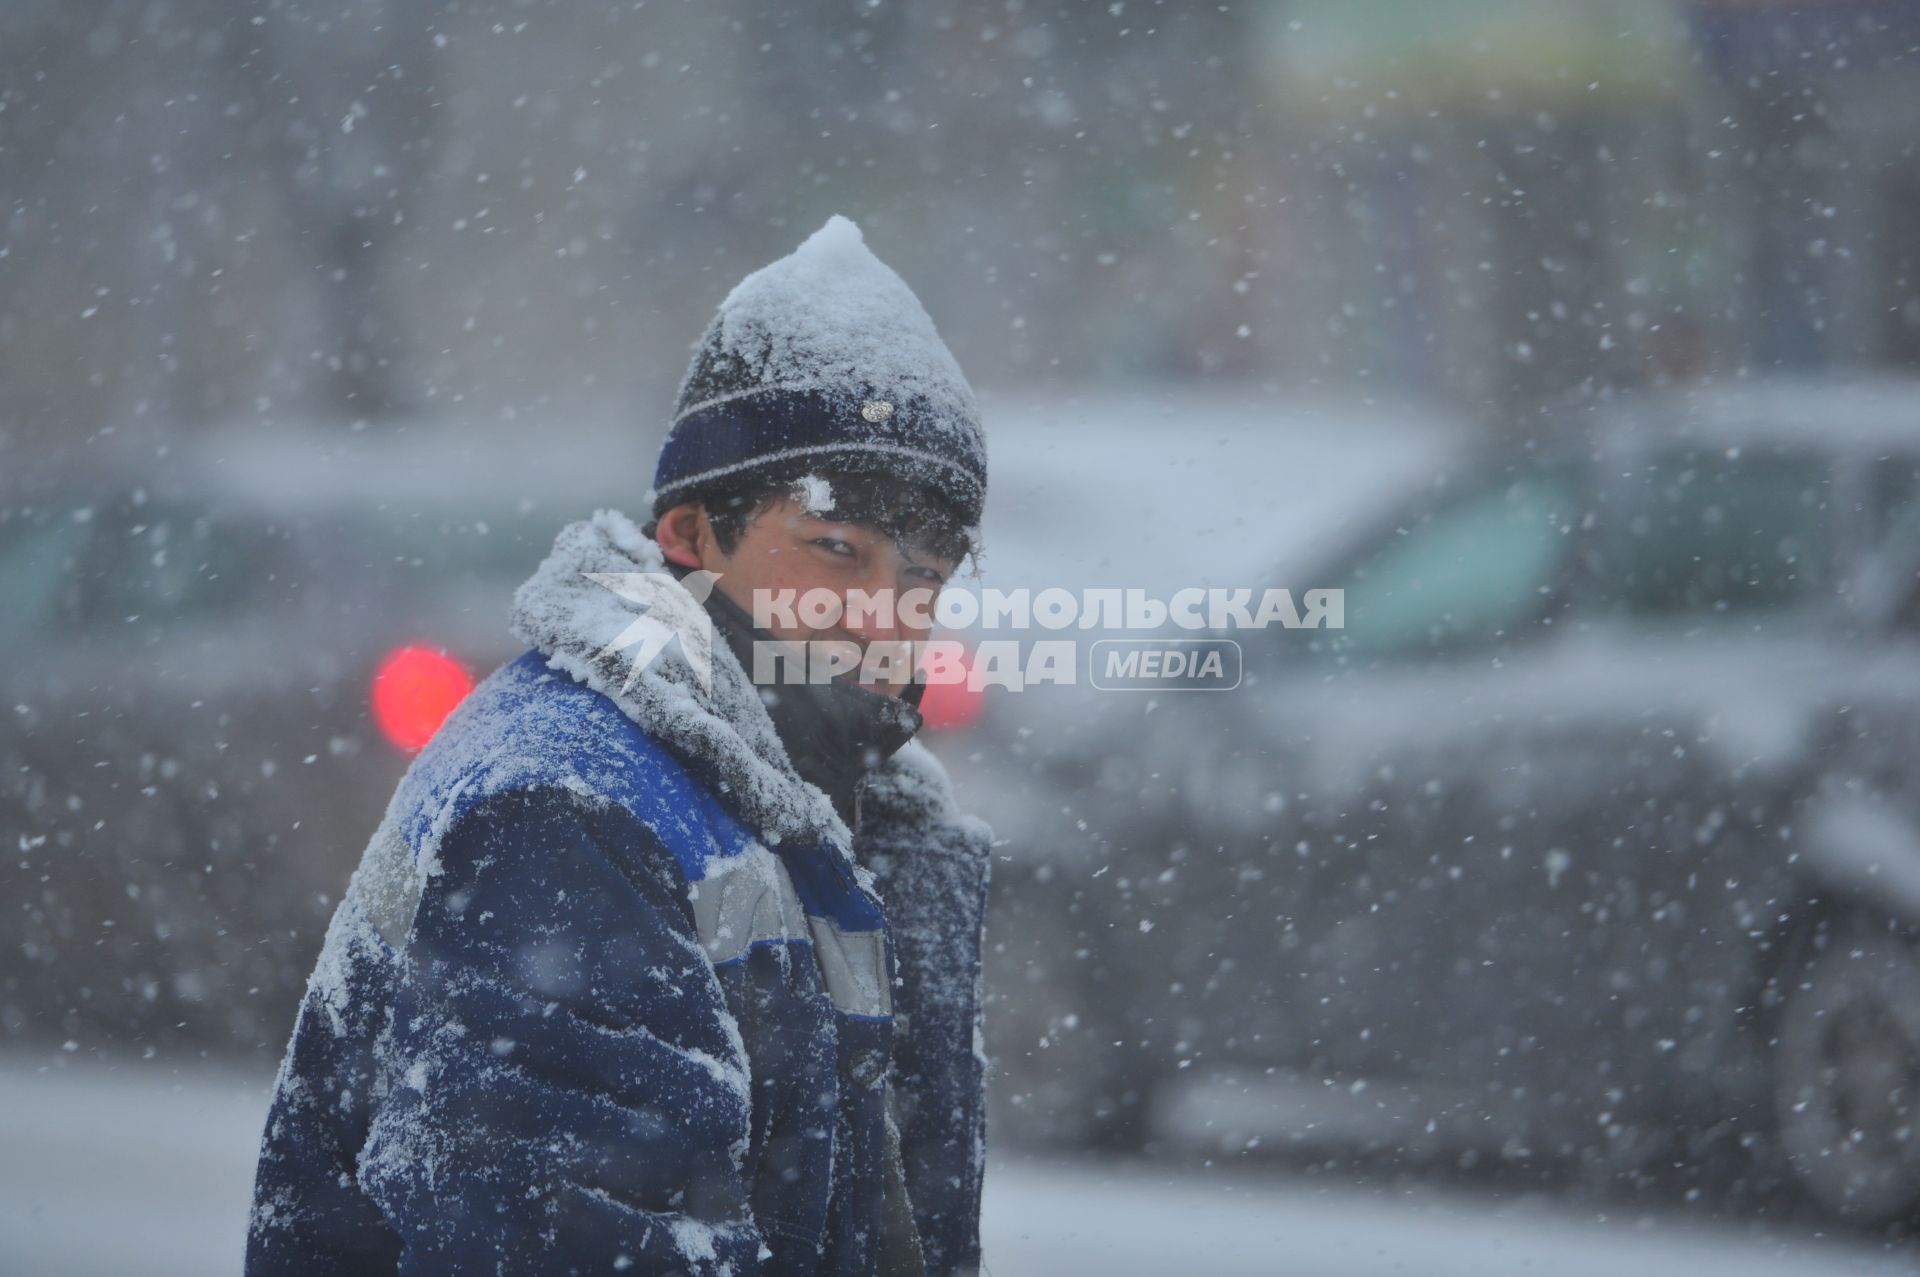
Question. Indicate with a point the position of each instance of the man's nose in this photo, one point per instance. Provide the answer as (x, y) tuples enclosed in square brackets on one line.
[(878, 616), (870, 611)]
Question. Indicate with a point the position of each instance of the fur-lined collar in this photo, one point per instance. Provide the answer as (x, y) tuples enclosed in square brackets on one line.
[(717, 723)]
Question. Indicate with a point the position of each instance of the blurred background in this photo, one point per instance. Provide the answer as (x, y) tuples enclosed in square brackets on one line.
[(1575, 882)]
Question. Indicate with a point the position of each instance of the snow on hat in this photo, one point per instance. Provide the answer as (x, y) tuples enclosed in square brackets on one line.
[(825, 358)]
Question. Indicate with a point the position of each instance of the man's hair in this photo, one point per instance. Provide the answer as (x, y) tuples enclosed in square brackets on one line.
[(919, 518)]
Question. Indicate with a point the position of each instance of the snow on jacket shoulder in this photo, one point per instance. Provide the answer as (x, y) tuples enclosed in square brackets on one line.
[(600, 998)]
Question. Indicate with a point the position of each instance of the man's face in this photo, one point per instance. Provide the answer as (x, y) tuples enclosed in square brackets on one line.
[(786, 548)]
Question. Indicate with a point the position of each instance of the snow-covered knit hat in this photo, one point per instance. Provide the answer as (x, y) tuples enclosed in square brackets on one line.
[(824, 359)]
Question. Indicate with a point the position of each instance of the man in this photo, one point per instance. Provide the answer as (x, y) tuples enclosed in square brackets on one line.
[(648, 969)]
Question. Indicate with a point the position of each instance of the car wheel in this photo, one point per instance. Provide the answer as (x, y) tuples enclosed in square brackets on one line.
[(1846, 1070)]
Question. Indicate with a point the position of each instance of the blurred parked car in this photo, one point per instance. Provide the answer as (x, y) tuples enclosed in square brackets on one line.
[(1592, 840), (220, 654)]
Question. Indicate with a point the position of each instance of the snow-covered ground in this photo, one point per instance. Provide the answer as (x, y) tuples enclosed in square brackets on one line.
[(142, 1168)]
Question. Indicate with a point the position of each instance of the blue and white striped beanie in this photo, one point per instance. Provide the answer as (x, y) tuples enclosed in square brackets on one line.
[(824, 360)]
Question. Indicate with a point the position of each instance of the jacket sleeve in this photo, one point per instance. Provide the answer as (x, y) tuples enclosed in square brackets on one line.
[(566, 1089), (932, 867)]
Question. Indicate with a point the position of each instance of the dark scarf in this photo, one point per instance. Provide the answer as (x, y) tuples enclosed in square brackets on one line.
[(835, 733)]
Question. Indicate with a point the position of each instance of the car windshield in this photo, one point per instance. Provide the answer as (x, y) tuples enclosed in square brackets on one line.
[(1475, 571), (1894, 512), (444, 548), (1704, 533), (38, 556), (175, 563)]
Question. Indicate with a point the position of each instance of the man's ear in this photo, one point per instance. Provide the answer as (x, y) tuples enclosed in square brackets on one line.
[(683, 534)]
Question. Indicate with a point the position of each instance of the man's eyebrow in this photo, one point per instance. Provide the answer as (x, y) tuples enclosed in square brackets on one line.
[(918, 556), (914, 546)]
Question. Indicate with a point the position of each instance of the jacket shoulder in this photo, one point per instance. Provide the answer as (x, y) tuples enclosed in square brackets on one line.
[(530, 728)]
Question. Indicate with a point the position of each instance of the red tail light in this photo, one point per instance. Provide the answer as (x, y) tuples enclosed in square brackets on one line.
[(948, 707), (414, 690)]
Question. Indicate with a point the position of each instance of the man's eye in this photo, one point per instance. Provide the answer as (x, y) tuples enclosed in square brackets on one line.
[(834, 545), (930, 575)]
